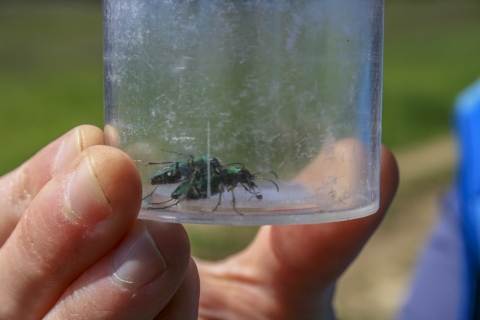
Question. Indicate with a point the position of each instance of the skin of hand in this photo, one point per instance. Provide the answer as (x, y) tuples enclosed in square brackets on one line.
[(289, 272), (71, 244), (72, 247)]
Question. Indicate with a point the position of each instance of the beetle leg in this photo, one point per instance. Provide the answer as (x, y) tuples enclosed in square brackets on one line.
[(220, 191), (233, 201), (148, 195)]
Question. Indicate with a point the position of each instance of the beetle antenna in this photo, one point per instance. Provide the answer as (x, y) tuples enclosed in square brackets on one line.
[(251, 190), (278, 190), (181, 154), (169, 206), (231, 164), (150, 163), (267, 172)]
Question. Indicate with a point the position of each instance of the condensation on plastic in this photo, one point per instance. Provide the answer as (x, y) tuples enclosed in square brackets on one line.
[(288, 91)]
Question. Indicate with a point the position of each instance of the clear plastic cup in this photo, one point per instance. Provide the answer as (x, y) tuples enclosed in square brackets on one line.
[(247, 112)]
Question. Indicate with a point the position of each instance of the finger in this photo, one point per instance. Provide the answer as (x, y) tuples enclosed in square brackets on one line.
[(20, 186), (340, 171), (288, 271), (135, 281), (324, 251), (184, 304), (77, 217)]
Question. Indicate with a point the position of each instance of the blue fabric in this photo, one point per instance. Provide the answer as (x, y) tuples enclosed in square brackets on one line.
[(467, 127), (447, 281), (438, 289)]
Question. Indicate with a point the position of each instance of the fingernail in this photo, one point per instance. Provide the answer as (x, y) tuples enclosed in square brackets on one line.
[(137, 261), (69, 149), (84, 198)]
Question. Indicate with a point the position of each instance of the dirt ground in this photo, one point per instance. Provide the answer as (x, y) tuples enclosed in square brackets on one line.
[(375, 286)]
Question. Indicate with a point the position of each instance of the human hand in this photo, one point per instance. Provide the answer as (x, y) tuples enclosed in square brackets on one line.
[(71, 244), (289, 272), (61, 263)]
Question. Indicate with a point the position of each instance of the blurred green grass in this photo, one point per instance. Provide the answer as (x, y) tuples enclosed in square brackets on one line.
[(51, 79), (217, 242), (51, 74), (432, 52)]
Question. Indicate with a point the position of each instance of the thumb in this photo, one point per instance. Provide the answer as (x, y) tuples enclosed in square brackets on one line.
[(20, 186), (316, 255)]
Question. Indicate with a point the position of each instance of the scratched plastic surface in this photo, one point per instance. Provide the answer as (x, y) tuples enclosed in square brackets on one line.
[(284, 94)]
